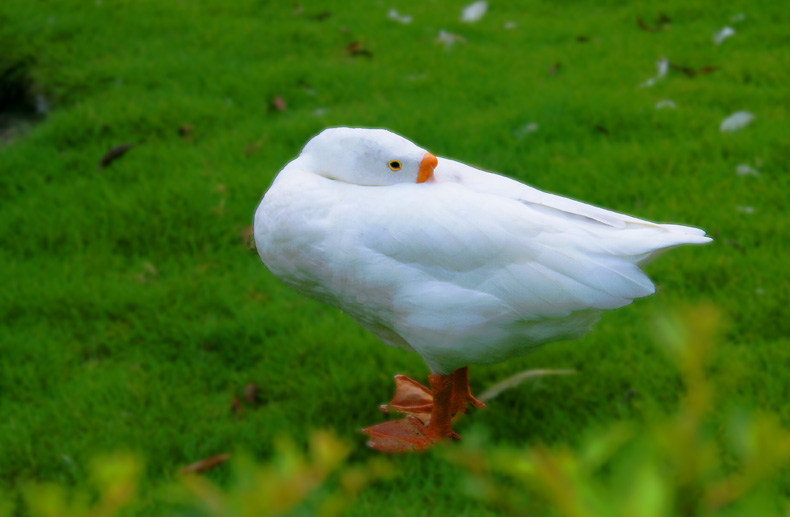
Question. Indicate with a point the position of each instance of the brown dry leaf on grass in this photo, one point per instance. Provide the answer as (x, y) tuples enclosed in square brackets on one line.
[(185, 131), (356, 49), (601, 129), (205, 464), (255, 146), (692, 72), (148, 274), (113, 154), (662, 23), (236, 407), (252, 394), (278, 104)]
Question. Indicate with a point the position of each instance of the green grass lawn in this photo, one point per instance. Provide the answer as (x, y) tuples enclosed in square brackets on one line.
[(133, 311)]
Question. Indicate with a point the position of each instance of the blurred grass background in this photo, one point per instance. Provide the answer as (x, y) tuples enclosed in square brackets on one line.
[(133, 310)]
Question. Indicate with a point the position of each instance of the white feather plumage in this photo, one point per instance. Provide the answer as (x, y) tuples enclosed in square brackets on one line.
[(469, 268)]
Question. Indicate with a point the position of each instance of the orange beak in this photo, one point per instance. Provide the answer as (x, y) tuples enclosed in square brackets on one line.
[(427, 165)]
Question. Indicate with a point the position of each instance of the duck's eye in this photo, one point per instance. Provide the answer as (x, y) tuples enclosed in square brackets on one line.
[(394, 165)]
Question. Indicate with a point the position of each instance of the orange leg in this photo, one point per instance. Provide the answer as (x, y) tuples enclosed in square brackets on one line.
[(413, 398), (462, 394), (410, 433)]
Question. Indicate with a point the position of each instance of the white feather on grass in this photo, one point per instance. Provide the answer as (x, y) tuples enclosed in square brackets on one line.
[(474, 12), (400, 18), (723, 34), (736, 121), (514, 380)]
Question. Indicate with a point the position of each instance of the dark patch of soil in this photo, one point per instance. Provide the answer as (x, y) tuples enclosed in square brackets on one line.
[(20, 106)]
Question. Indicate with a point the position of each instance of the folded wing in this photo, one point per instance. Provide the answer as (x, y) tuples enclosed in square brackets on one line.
[(455, 172), (536, 259)]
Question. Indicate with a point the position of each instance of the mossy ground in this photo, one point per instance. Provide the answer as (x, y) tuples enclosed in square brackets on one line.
[(132, 309)]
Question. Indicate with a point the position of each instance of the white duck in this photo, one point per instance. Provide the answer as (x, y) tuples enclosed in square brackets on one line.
[(460, 265)]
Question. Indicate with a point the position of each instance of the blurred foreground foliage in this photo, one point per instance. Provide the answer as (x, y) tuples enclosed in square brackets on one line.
[(286, 482), (689, 463), (686, 464), (320, 482)]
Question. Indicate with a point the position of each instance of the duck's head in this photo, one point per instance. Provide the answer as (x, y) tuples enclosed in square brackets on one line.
[(370, 157)]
